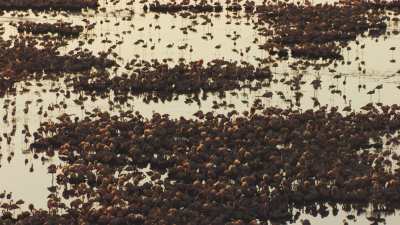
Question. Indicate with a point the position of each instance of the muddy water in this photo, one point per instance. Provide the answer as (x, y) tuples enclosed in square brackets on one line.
[(130, 25)]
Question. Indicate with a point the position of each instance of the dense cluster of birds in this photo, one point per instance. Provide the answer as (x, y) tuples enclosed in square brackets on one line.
[(60, 28), (22, 60), (173, 7), (68, 5), (236, 168), (219, 169), (164, 80), (309, 31), (320, 31)]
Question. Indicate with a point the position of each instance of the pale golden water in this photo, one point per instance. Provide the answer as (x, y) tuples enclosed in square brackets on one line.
[(120, 24)]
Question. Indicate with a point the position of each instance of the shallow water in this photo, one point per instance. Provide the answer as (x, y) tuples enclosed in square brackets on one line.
[(32, 186)]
